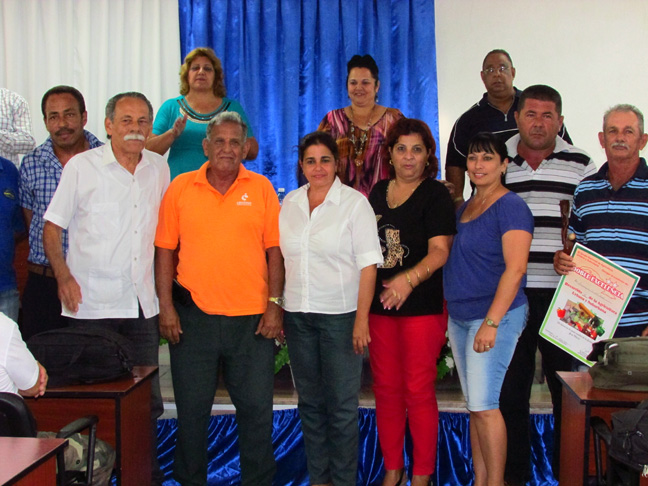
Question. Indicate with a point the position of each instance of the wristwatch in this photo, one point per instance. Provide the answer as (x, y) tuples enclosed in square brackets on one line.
[(491, 323), (280, 301)]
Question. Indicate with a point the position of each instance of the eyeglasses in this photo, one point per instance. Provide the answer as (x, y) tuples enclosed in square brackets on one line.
[(501, 69)]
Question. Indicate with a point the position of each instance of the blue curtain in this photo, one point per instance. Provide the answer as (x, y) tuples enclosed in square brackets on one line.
[(454, 464), (285, 61)]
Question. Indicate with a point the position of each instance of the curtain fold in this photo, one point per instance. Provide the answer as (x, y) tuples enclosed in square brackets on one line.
[(285, 61), (454, 465)]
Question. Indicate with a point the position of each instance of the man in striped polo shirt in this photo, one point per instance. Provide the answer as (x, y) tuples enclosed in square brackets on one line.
[(610, 211), (543, 170)]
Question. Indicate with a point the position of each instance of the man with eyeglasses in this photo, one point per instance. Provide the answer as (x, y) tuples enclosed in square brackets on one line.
[(493, 113)]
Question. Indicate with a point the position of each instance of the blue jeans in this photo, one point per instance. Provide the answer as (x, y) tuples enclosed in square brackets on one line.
[(482, 374), (327, 376), (9, 304)]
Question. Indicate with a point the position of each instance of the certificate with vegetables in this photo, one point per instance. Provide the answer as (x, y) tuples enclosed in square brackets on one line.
[(588, 303)]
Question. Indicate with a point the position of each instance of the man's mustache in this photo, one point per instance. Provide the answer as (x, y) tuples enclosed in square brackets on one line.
[(135, 136)]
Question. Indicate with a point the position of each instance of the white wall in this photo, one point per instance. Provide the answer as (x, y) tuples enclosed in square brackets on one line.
[(594, 52)]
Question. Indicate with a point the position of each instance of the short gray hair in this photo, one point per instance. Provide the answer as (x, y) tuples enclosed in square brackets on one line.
[(627, 108), (112, 102), (227, 117)]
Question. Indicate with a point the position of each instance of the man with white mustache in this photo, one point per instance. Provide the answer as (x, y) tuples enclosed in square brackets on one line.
[(108, 200), (543, 170), (65, 117)]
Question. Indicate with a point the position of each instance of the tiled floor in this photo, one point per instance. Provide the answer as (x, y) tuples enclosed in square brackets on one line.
[(448, 391)]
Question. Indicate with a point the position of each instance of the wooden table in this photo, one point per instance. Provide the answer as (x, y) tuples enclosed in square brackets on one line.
[(580, 401), (124, 409), (29, 462)]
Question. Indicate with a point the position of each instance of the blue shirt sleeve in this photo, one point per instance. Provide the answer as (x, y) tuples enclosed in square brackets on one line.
[(514, 214), (166, 116)]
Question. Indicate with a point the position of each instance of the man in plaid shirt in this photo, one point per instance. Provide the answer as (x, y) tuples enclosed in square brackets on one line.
[(65, 116), (15, 126)]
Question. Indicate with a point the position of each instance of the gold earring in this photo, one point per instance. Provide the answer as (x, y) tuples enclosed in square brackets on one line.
[(391, 162), (427, 163)]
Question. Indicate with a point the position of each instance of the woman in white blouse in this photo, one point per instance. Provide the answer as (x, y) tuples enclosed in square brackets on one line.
[(330, 245)]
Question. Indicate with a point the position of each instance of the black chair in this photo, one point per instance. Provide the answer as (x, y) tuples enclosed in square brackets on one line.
[(617, 474), (16, 420)]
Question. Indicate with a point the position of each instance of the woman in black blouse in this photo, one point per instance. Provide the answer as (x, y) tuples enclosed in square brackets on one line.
[(408, 321)]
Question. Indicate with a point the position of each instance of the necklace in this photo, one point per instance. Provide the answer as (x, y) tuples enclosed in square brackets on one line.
[(186, 109), (478, 207), (390, 185), (359, 143)]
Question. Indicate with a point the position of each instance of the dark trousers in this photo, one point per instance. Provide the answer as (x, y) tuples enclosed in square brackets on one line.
[(516, 390), (327, 376), (145, 336), (206, 342), (41, 307)]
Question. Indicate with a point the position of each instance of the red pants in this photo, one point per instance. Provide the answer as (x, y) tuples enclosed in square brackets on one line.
[(403, 354)]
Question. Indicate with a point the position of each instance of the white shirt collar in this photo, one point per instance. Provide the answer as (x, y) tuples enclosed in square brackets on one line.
[(108, 157), (333, 195)]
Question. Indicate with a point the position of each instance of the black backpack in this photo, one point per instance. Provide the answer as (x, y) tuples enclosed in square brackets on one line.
[(76, 355), (629, 443)]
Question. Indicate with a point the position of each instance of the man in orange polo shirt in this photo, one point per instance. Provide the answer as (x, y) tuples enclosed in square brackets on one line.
[(225, 305)]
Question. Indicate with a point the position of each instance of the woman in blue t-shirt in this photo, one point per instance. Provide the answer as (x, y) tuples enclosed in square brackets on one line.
[(484, 282), (181, 122)]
